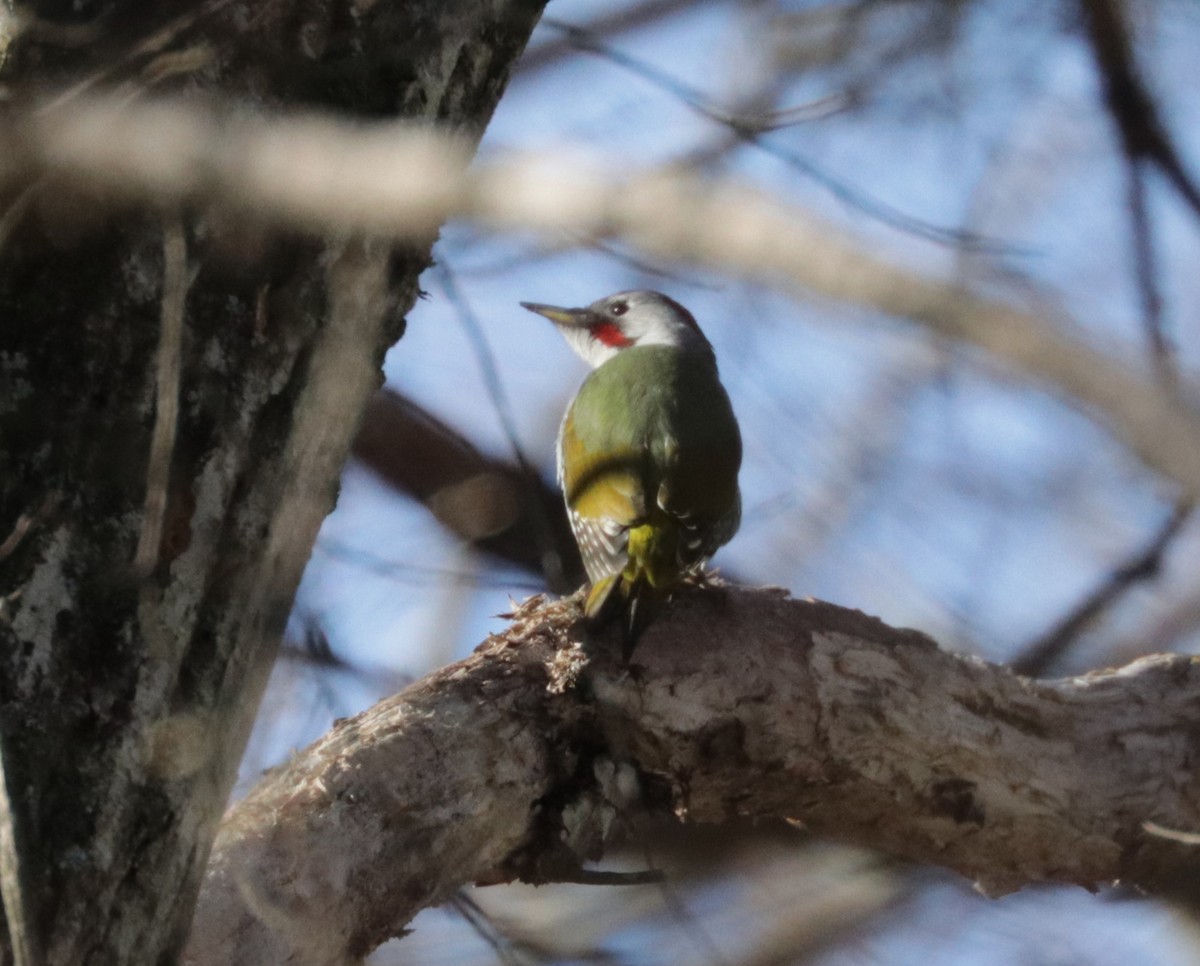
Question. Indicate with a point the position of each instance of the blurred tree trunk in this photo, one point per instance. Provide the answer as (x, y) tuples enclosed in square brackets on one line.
[(148, 558)]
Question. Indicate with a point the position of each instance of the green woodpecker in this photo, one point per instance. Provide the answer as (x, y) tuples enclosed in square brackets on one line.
[(648, 451)]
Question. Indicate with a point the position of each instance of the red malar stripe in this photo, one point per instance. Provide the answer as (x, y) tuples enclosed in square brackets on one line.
[(610, 335)]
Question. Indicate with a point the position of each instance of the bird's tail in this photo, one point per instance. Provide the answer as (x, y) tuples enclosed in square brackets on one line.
[(631, 600), (637, 591), (603, 598)]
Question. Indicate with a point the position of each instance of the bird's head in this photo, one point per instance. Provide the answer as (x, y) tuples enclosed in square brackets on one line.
[(618, 322)]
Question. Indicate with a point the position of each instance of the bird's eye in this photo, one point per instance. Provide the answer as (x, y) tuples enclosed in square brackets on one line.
[(619, 308)]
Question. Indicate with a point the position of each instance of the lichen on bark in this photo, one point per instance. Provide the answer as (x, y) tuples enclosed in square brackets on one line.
[(125, 697)]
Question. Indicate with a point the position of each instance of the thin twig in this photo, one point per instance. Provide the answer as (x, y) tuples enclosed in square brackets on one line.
[(486, 929), (1174, 835), (26, 521), (695, 930), (1145, 269), (644, 266), (1145, 564), (15, 887), (749, 130), (1135, 113), (1143, 142), (166, 409), (485, 357), (605, 877), (416, 574), (543, 531), (608, 24), (16, 535)]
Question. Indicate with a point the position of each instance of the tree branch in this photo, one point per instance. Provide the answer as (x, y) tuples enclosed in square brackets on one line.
[(496, 506), (1143, 133), (406, 181), (520, 761)]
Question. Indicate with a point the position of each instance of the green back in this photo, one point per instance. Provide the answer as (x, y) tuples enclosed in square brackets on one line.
[(659, 417)]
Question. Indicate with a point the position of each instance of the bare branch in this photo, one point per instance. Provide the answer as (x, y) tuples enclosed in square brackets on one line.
[(1143, 133), (749, 126), (1144, 141), (1144, 564), (406, 181), (495, 505), (25, 522), (519, 761), (1145, 269), (540, 519), (610, 23), (15, 883)]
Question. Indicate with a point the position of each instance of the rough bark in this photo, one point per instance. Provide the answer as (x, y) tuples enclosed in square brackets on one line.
[(520, 761), (127, 686)]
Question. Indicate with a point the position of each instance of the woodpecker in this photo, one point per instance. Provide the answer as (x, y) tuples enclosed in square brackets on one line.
[(648, 452)]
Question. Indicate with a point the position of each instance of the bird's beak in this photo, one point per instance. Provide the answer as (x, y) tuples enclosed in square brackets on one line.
[(560, 316)]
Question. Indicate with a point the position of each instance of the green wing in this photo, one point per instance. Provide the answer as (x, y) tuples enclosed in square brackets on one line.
[(650, 444)]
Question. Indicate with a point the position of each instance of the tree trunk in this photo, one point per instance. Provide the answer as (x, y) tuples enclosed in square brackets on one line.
[(148, 555)]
